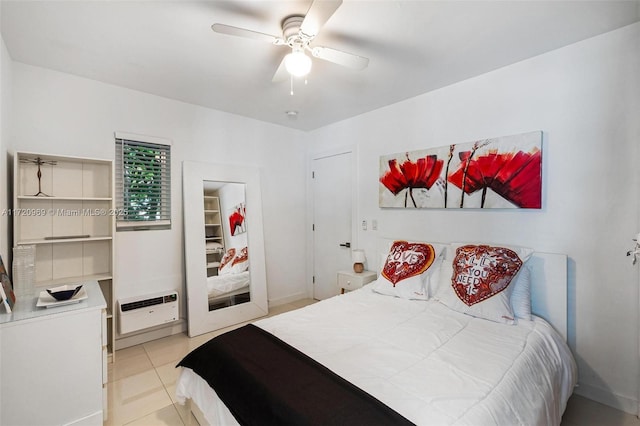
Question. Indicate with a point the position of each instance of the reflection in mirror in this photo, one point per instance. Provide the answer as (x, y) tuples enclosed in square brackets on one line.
[(232, 198), (228, 278)]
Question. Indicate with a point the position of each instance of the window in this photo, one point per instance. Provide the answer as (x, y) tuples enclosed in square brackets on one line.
[(143, 182)]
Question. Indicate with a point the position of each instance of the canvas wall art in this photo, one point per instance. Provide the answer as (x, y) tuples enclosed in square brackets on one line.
[(237, 223), (502, 172)]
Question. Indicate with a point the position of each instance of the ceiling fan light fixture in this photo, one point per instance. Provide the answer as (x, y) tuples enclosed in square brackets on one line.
[(297, 63)]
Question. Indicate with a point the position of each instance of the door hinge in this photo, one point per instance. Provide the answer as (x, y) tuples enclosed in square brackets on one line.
[(313, 226), (313, 175), (313, 279)]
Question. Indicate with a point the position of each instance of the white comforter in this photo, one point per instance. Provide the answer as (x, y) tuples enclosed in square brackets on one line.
[(432, 365), (218, 285)]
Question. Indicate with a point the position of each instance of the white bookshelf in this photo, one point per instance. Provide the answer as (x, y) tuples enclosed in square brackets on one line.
[(213, 231), (69, 215)]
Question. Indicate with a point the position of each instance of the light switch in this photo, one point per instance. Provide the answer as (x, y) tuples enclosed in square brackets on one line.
[(374, 225), (364, 225)]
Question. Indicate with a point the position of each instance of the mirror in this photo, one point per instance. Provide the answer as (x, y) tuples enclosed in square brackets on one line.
[(224, 246)]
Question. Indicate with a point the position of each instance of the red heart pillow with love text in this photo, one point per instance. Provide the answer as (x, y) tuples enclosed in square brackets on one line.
[(408, 268)]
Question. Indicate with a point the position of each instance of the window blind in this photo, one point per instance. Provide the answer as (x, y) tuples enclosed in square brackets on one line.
[(143, 184)]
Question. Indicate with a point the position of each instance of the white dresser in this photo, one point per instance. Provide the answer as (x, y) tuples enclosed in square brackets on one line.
[(53, 362)]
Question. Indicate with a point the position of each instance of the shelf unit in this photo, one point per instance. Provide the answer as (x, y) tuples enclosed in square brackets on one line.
[(71, 222), (213, 231)]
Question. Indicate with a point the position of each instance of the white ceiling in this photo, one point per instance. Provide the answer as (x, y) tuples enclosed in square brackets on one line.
[(167, 48)]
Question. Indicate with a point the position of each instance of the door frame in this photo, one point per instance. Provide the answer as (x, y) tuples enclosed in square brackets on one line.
[(355, 204)]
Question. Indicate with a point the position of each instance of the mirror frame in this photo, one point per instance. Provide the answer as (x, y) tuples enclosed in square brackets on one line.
[(200, 319)]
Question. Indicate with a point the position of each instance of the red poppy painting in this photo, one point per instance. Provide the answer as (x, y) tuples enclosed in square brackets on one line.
[(503, 172), (237, 224), (410, 174)]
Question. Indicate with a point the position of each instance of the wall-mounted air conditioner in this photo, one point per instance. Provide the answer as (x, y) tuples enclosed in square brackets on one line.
[(138, 313)]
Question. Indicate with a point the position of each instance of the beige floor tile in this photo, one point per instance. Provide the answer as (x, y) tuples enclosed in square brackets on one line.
[(168, 349), (168, 374), (166, 416), (196, 341), (231, 327), (131, 351), (303, 302), (185, 414), (135, 396), (134, 362), (275, 310), (585, 412)]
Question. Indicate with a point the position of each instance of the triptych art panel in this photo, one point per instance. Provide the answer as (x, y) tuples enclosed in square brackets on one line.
[(502, 172)]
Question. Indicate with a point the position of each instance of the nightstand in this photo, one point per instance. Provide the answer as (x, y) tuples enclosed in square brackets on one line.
[(349, 280)]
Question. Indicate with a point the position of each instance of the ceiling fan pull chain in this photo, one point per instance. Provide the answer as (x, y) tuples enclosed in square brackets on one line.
[(291, 79)]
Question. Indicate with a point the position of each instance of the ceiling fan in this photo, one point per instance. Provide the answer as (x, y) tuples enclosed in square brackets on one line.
[(298, 32)]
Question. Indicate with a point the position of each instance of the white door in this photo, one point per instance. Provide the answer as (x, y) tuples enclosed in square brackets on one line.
[(332, 201)]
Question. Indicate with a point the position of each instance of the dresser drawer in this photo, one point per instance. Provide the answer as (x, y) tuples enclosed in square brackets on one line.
[(351, 281)]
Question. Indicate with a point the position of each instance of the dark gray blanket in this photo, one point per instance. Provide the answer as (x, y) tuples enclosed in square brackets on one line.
[(265, 381)]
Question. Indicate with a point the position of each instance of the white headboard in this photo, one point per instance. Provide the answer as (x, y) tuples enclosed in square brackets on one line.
[(549, 289), (548, 284)]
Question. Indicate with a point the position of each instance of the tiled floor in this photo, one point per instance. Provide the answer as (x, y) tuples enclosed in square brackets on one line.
[(585, 412), (142, 386)]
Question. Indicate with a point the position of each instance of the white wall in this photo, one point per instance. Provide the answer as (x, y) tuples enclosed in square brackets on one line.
[(59, 113), (5, 144), (585, 98)]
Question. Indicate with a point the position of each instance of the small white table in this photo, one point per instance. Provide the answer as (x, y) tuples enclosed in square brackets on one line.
[(350, 280)]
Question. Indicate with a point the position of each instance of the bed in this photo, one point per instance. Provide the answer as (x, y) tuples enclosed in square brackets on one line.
[(425, 361), (231, 284), (224, 290)]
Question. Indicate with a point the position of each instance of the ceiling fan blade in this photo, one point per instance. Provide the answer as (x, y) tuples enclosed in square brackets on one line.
[(241, 32), (341, 58), (281, 73), (317, 15)]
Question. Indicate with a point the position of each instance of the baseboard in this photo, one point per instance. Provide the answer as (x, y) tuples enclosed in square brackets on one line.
[(288, 299), (150, 334), (606, 397)]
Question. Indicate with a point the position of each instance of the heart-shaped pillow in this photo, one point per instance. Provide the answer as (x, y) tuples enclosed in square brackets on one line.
[(476, 281), (480, 272), (227, 259), (407, 269), (406, 260), (239, 264)]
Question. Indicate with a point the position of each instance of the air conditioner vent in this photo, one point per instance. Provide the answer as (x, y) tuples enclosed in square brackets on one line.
[(142, 303), (147, 311)]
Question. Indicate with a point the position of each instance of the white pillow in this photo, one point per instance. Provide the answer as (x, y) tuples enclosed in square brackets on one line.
[(476, 281), (213, 246), (521, 295), (407, 269)]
